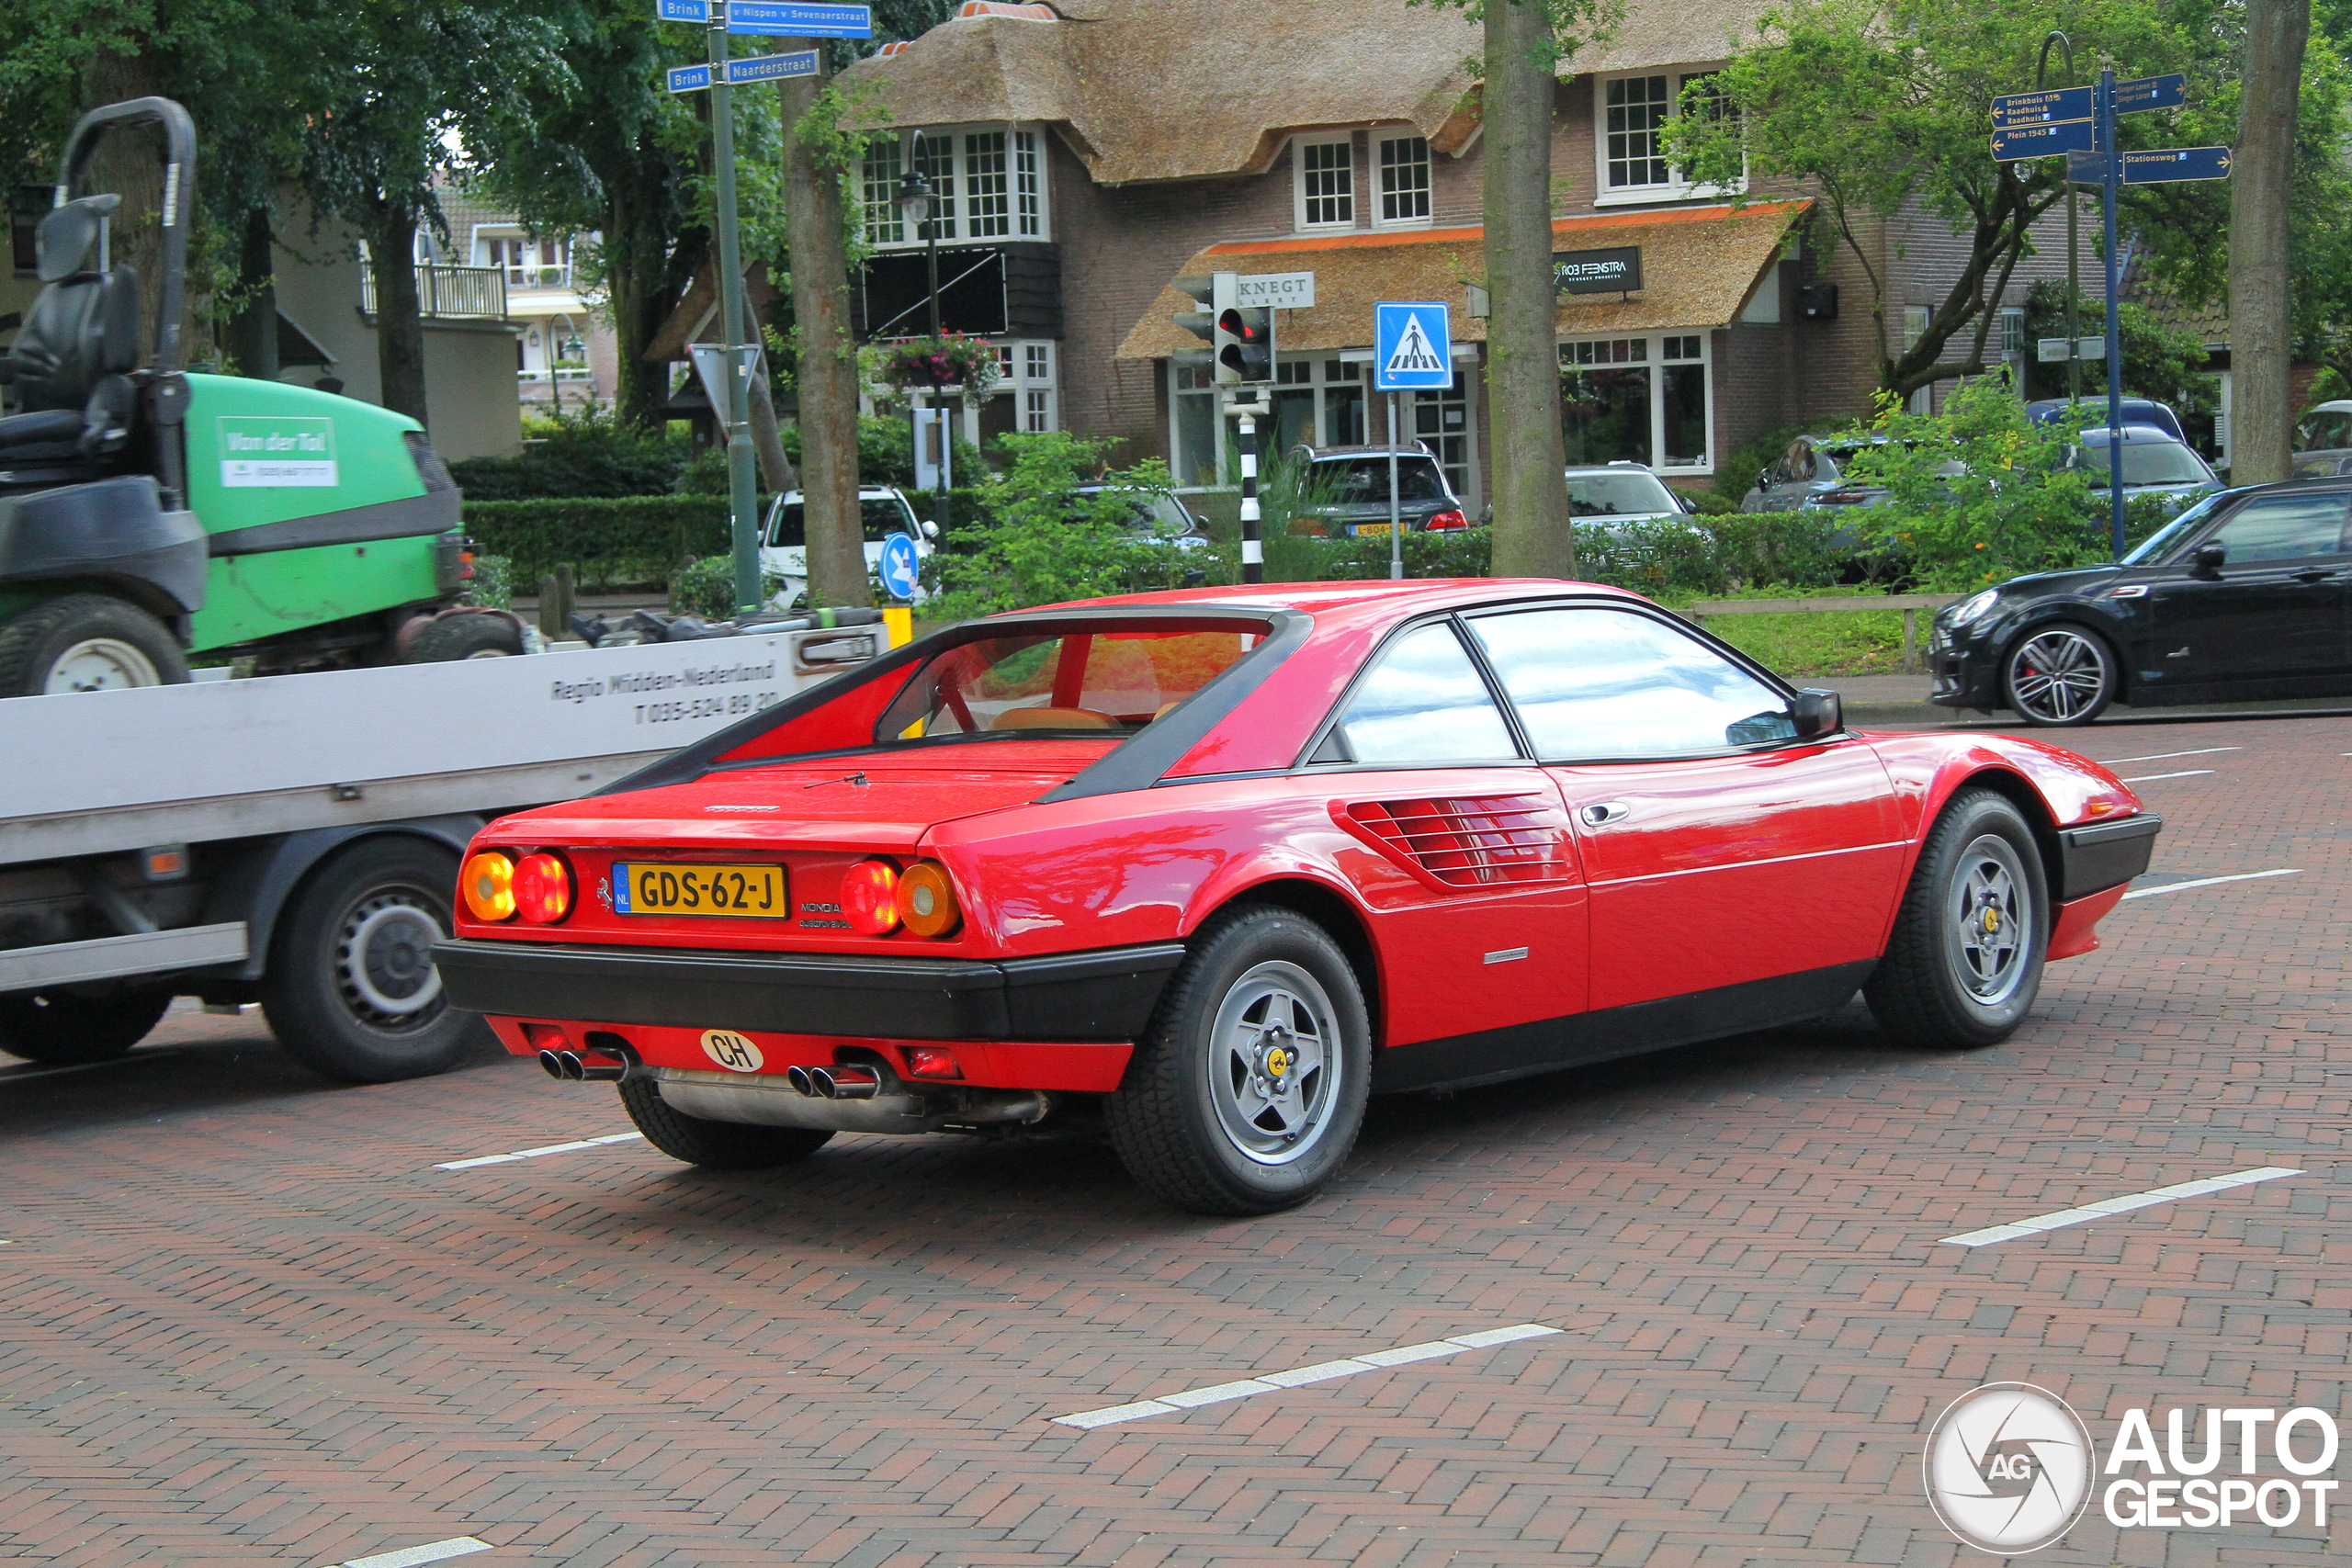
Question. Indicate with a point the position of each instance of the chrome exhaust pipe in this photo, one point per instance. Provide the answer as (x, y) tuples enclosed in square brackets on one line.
[(567, 1066), (553, 1064), (599, 1072), (804, 1081), (846, 1081)]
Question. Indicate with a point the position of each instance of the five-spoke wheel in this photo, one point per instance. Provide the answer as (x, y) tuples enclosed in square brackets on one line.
[(1965, 962)]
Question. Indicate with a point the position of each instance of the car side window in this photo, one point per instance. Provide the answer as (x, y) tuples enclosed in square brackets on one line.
[(788, 527), (2283, 527), (1421, 702), (885, 515), (1599, 682)]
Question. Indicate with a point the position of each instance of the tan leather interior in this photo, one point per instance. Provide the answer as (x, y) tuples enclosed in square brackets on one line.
[(1053, 719), (1165, 708)]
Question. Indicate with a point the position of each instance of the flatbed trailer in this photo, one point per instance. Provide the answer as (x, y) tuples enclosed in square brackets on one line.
[(293, 840)]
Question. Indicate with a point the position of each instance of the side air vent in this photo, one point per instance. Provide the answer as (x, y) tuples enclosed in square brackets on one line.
[(1467, 842)]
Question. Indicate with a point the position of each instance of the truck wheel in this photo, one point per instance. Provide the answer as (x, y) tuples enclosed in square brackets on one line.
[(1246, 1094), (714, 1146), (350, 991), (447, 638), (86, 642), (1965, 962), (64, 1030)]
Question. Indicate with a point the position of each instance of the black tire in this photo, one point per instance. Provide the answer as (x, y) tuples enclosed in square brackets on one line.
[(86, 642), (1948, 982), (350, 991), (449, 637), (1199, 1119), (2059, 675), (66, 1031), (714, 1146)]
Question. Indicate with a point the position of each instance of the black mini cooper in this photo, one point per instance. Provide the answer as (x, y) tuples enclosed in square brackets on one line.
[(2247, 595)]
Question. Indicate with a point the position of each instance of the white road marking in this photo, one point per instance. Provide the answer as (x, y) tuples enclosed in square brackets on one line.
[(2124, 1204), (2211, 882), (2167, 756), (1322, 1371), (412, 1556), (2150, 778), (534, 1154)]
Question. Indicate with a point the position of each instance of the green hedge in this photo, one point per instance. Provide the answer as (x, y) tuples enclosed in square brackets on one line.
[(626, 541)]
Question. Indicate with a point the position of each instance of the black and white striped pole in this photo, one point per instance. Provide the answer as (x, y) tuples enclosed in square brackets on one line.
[(1253, 549)]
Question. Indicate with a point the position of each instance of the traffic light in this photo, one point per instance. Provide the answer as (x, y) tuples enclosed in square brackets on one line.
[(1245, 343), (1201, 322)]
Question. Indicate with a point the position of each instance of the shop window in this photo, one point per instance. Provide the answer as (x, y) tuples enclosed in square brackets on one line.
[(1633, 112), (1319, 401), (1195, 439), (1404, 179), (1446, 421), (1327, 184), (1638, 400)]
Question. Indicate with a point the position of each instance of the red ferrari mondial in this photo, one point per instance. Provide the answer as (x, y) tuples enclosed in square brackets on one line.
[(1200, 871)]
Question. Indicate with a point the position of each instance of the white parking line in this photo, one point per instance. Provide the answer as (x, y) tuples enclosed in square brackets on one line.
[(1322, 1371), (2211, 882), (2124, 1204), (2149, 778), (414, 1556), (534, 1154), (2167, 756)]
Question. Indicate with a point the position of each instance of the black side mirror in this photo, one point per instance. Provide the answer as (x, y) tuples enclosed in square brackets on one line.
[(2209, 557), (1817, 712), (1764, 480)]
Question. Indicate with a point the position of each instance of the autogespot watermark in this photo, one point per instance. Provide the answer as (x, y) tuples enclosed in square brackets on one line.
[(2010, 1468)]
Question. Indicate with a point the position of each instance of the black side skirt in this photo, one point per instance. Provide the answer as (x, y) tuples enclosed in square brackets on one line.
[(1494, 1054)]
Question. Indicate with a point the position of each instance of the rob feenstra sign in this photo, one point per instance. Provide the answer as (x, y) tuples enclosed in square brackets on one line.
[(1617, 270)]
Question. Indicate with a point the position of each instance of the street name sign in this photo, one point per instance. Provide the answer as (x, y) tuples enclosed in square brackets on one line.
[(2041, 109), (2052, 350), (2151, 93), (2013, 142), (1412, 347), (755, 67), (1286, 291), (2176, 163), (776, 18)]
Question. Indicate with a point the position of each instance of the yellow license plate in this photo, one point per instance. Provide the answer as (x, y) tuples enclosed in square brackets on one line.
[(1370, 530), (756, 891)]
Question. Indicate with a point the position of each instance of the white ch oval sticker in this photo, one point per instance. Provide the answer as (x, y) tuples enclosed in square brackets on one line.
[(730, 1051)]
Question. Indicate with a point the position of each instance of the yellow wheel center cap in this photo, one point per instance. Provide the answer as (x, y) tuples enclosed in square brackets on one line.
[(1992, 920), (1277, 1062)]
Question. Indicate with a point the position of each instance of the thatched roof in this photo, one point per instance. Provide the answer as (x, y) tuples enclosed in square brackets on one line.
[(1699, 267), (1673, 32), (1188, 89)]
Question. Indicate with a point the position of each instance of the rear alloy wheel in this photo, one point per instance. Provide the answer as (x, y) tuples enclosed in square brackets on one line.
[(1248, 1092), (1965, 962), (2059, 676), (86, 642), (714, 1146), (66, 1030)]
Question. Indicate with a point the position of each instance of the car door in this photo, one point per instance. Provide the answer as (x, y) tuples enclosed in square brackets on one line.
[(1461, 853), (1720, 855), (2279, 609)]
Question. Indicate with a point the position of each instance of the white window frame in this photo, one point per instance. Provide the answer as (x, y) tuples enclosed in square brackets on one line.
[(1674, 188), (1025, 194), (487, 234), (1346, 142), (1655, 363), (1380, 194)]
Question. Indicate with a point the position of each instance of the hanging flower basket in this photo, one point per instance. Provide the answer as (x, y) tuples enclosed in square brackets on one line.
[(949, 360)]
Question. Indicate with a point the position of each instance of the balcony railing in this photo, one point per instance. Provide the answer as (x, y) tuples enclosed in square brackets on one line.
[(448, 291)]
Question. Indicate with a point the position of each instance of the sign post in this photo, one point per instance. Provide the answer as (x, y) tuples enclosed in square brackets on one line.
[(1412, 349)]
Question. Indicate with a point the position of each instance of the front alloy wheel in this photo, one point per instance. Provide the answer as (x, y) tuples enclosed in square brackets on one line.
[(2059, 677), (1964, 964)]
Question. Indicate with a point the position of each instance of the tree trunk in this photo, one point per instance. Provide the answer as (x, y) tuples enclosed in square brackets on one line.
[(1533, 537), (400, 321), (815, 224), (130, 165), (2261, 412), (253, 336), (767, 441)]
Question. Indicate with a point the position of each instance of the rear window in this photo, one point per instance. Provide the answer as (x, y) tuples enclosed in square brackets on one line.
[(882, 515), (1088, 682), (1356, 481)]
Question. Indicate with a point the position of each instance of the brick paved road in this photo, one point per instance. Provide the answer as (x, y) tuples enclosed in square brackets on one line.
[(247, 1321)]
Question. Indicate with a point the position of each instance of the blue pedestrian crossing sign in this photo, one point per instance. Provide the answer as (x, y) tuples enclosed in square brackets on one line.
[(899, 567), (1412, 347)]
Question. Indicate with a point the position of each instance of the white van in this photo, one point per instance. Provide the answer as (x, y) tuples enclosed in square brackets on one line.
[(784, 538)]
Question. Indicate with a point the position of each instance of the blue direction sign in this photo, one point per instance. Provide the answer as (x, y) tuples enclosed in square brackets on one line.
[(2040, 108), (776, 18), (2014, 143), (2176, 163), (756, 68), (898, 567), (2151, 93), (1412, 347), (686, 78)]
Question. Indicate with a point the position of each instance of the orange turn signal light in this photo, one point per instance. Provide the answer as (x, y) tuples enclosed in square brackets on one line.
[(927, 900), (870, 898), (542, 889), (487, 884)]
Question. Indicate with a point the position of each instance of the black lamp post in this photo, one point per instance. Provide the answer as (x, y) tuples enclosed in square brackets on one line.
[(914, 205)]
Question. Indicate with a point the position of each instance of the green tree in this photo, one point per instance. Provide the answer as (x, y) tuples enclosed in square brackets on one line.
[(2160, 362)]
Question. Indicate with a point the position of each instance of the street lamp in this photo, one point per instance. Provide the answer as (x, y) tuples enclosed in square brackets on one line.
[(914, 206)]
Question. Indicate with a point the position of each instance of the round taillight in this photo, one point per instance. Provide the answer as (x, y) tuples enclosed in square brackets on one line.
[(542, 889), (488, 883), (870, 898), (927, 900)]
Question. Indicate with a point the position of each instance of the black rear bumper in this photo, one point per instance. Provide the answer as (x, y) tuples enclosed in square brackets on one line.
[(1107, 995), (2105, 854)]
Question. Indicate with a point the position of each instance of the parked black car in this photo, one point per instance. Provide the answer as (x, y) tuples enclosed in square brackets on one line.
[(2246, 594)]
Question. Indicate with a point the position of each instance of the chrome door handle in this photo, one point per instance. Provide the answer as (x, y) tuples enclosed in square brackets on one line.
[(1606, 812)]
